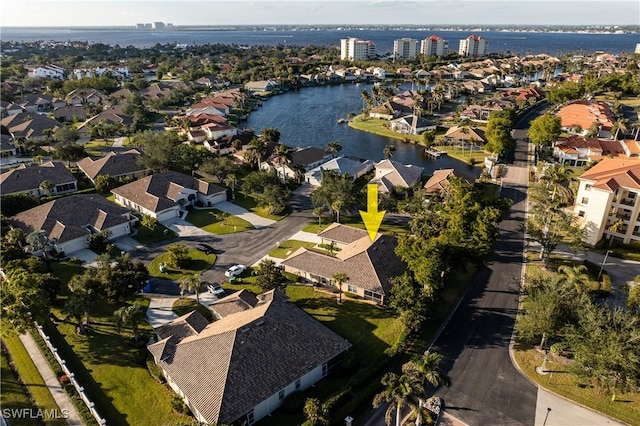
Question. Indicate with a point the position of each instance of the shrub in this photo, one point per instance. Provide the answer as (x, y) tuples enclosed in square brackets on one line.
[(557, 348), (178, 405), (64, 379), (154, 370), (178, 256), (294, 402)]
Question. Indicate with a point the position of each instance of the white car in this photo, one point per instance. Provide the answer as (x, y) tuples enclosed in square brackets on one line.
[(235, 270), (215, 289)]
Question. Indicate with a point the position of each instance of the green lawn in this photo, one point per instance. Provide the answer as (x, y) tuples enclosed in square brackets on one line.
[(535, 267), (14, 396), (464, 155), (111, 197), (98, 144), (30, 377), (160, 233), (199, 262), (286, 248), (377, 126), (356, 222), (212, 221), (65, 270), (626, 407), (106, 364), (183, 306), (247, 202)]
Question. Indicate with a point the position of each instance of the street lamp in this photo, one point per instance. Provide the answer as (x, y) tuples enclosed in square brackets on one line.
[(603, 262)]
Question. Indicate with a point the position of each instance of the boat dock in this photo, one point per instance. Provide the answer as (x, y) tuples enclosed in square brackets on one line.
[(431, 152)]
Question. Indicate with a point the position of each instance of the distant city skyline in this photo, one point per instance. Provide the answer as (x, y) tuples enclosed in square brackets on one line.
[(312, 12)]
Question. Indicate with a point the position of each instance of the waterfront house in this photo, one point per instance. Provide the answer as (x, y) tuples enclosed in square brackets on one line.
[(340, 165), (411, 125), (27, 179), (439, 181), (243, 366), (262, 86), (390, 174), (165, 196), (465, 134), (370, 265), (68, 221), (304, 158)]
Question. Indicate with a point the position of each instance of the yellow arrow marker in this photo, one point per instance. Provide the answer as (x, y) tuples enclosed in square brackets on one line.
[(372, 218)]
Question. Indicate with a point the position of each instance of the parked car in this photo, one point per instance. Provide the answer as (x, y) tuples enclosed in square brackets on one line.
[(235, 270), (205, 248), (215, 289)]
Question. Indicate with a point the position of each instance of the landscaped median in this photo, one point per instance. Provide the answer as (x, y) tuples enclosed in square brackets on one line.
[(249, 203), (199, 262), (217, 222)]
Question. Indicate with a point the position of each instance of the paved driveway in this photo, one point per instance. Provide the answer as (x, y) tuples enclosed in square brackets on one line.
[(185, 229), (87, 257), (242, 213)]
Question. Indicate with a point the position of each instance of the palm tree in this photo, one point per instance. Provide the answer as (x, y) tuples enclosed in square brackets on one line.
[(425, 370), (47, 186), (317, 413), (132, 315), (318, 212), (398, 392), (15, 236), (340, 278), (465, 131), (260, 148), (620, 124), (333, 147), (366, 100), (557, 177), (574, 276), (39, 240), (191, 285), (283, 157), (232, 180), (388, 151)]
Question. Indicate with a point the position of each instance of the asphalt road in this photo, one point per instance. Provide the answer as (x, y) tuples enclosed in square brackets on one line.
[(486, 388)]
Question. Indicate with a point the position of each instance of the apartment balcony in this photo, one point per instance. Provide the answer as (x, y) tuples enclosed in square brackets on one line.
[(628, 202)]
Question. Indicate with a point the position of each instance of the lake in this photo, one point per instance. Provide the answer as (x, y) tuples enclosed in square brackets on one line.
[(309, 117)]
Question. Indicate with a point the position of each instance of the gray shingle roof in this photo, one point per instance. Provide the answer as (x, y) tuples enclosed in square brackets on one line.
[(66, 218), (156, 192), (112, 164), (342, 234), (239, 361), (25, 178), (237, 302)]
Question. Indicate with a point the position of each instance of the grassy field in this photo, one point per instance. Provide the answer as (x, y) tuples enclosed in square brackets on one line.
[(464, 154), (159, 233), (535, 268), (626, 407), (631, 101), (199, 262), (65, 270), (106, 364), (356, 222), (212, 221), (247, 202), (288, 247), (377, 126), (183, 306), (13, 395)]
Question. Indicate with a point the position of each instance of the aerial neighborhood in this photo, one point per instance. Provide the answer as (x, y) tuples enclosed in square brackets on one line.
[(159, 247)]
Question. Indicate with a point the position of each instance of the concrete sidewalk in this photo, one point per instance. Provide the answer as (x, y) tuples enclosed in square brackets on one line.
[(159, 311), (242, 213), (552, 410), (50, 379)]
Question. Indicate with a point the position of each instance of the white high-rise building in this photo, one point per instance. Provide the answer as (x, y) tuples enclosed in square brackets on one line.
[(356, 50), (405, 48), (473, 46), (637, 48), (434, 46)]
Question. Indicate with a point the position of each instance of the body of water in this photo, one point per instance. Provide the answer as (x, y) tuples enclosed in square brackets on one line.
[(309, 117), (499, 41)]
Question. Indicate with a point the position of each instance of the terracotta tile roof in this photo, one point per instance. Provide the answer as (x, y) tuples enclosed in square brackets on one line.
[(612, 173), (585, 113), (369, 265), (112, 164), (342, 233), (157, 192), (239, 361), (67, 218), (25, 178)]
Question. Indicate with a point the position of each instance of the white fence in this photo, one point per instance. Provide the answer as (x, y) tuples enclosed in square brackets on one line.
[(74, 382)]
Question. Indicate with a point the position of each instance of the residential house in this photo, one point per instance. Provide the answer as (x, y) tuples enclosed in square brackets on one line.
[(48, 71), (7, 146), (243, 366), (439, 181), (117, 165), (610, 192), (70, 220), (465, 134), (112, 116), (578, 117), (411, 125), (70, 113), (262, 86), (340, 165), (390, 174), (578, 151), (85, 96), (303, 158), (476, 86), (28, 179), (10, 108), (164, 196), (29, 125), (370, 265), (37, 103)]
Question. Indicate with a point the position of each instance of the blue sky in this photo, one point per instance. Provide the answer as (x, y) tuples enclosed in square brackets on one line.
[(227, 12)]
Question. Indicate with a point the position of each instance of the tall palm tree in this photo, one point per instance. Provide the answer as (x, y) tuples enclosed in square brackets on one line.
[(574, 276), (283, 157), (398, 392), (557, 177), (340, 278), (260, 148), (388, 151), (333, 147), (132, 315), (232, 180), (620, 124), (191, 285), (366, 100), (425, 370)]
